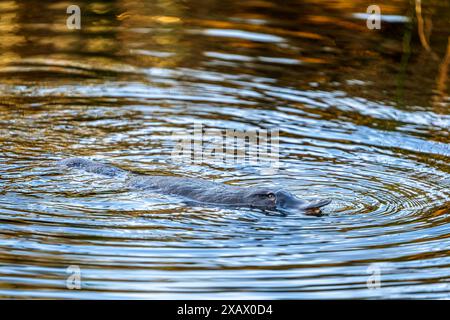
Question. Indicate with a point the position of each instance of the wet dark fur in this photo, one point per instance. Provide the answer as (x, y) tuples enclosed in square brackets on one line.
[(203, 191)]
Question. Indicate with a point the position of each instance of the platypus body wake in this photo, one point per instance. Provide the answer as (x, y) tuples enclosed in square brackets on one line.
[(204, 191)]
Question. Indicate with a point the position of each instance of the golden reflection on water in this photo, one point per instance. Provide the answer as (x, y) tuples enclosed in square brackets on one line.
[(324, 33)]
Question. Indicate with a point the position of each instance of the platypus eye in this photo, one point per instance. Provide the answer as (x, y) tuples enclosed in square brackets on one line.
[(266, 195)]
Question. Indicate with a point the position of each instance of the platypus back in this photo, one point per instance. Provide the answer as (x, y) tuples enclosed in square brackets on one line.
[(204, 191), (93, 167)]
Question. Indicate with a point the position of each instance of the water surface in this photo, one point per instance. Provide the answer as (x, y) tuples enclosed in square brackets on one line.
[(363, 117)]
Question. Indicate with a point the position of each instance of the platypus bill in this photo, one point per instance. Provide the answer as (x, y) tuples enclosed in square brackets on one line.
[(206, 192)]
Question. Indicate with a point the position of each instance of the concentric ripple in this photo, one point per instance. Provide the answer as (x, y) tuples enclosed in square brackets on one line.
[(124, 96)]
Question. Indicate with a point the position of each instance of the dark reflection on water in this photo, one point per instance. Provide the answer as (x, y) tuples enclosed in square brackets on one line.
[(363, 117)]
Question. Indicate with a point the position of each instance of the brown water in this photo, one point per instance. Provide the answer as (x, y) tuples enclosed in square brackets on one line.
[(363, 117)]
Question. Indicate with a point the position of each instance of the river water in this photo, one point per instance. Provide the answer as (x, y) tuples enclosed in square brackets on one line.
[(363, 118)]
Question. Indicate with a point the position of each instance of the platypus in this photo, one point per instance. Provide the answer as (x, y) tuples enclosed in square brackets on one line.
[(203, 191)]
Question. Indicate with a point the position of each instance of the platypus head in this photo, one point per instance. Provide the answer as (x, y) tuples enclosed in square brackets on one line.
[(282, 200), (289, 202), (262, 199)]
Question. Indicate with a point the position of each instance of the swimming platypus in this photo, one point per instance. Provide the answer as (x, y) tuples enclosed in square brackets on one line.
[(204, 191)]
